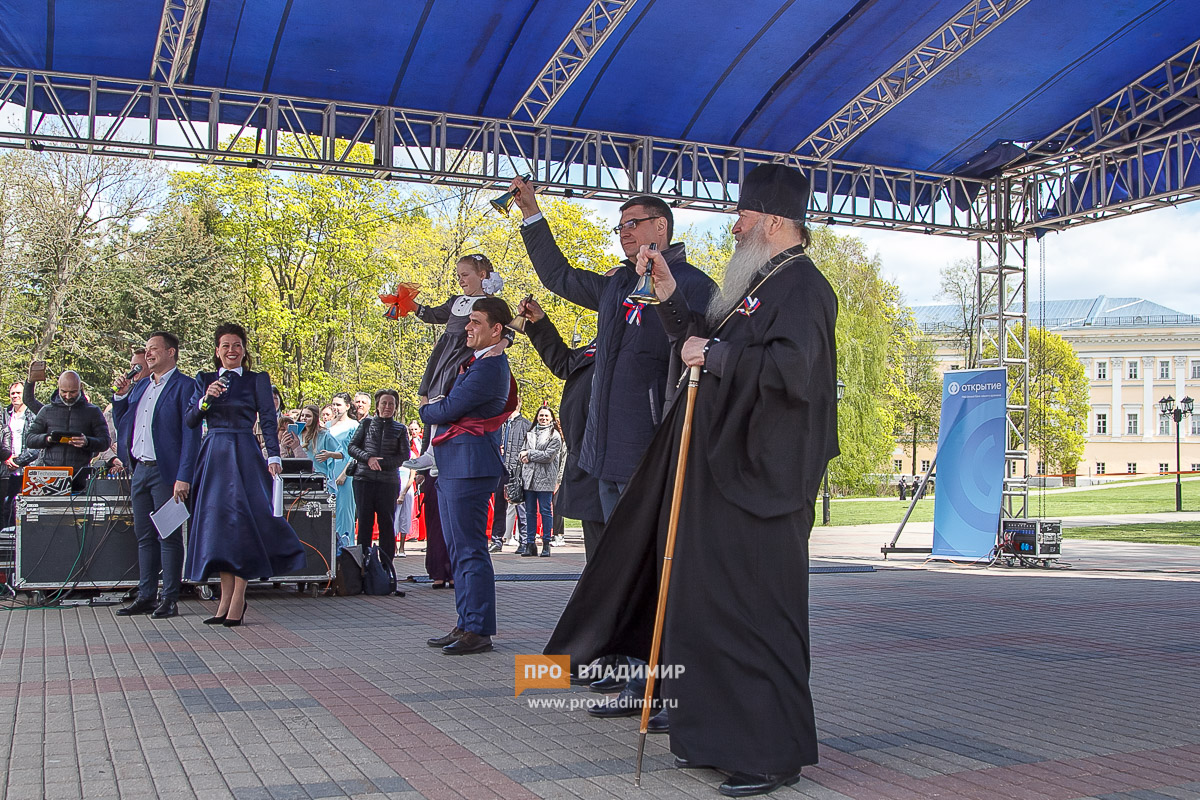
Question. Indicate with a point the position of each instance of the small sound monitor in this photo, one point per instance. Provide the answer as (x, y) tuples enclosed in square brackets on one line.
[(297, 466)]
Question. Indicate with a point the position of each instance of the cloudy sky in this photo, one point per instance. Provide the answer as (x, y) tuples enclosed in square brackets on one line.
[(1153, 255)]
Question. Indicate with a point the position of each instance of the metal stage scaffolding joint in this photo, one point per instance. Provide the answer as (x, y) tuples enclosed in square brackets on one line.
[(177, 36), (938, 51), (599, 21)]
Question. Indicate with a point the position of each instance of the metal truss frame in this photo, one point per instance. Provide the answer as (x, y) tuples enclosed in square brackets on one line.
[(1155, 100), (177, 35), (1002, 261), (569, 60), (1153, 172), (977, 19), (204, 126)]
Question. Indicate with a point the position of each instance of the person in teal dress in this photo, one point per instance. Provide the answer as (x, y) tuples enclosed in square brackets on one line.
[(321, 447), (341, 429)]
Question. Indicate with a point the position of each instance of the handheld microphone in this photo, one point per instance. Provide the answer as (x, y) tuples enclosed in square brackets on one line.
[(131, 374), (208, 398)]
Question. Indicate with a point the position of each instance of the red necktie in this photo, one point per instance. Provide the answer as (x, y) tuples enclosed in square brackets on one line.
[(466, 364)]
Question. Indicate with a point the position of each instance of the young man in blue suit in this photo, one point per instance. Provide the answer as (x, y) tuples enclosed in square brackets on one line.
[(469, 465), (160, 452)]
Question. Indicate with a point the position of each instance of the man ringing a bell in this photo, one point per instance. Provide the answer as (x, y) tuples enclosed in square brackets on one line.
[(765, 426)]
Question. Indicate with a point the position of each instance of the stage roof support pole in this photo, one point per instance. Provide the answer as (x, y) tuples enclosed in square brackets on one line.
[(600, 19), (1002, 297), (177, 34), (974, 21)]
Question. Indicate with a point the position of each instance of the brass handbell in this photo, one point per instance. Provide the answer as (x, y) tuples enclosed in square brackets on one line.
[(505, 201), (644, 291)]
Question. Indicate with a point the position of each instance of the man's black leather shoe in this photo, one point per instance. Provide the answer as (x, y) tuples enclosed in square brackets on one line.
[(627, 704), (659, 723), (468, 644), (747, 784), (167, 608), (607, 685), (683, 763), (137, 607), (450, 638)]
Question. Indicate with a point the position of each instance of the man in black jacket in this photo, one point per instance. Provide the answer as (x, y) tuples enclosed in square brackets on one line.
[(68, 412), (579, 495), (634, 361)]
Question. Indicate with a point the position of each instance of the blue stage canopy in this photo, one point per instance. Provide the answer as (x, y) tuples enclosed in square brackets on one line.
[(755, 74)]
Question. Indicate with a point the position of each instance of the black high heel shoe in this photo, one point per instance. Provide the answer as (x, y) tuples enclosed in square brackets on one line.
[(216, 620), (233, 623)]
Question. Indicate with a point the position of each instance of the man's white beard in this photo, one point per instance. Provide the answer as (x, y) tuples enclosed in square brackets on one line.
[(750, 255)]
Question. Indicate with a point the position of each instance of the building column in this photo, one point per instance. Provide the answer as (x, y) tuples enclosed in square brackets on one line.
[(1149, 407), (1116, 424)]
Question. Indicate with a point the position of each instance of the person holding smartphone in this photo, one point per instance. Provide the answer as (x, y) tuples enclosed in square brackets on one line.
[(289, 438), (68, 430)]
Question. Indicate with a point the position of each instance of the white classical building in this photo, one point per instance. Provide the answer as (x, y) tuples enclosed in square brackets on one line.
[(1136, 352)]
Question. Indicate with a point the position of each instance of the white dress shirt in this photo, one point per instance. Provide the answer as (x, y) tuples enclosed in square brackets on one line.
[(143, 421), (16, 426)]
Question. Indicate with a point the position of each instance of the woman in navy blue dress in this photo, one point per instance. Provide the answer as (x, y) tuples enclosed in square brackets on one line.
[(233, 530)]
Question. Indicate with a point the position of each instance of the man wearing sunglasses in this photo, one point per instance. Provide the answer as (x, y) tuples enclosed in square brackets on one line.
[(634, 362)]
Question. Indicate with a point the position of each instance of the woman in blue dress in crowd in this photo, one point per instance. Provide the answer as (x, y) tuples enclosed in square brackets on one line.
[(341, 430), (233, 530), (320, 446)]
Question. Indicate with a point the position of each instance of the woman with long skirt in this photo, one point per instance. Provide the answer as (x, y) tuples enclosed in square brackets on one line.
[(341, 428), (233, 530)]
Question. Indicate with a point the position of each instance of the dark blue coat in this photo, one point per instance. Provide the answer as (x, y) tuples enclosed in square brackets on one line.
[(633, 361), (232, 528), (481, 393), (579, 495), (175, 444)]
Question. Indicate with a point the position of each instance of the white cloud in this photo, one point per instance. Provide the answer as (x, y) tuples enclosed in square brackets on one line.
[(1154, 255)]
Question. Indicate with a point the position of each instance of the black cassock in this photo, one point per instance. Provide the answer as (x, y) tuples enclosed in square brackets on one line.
[(737, 616)]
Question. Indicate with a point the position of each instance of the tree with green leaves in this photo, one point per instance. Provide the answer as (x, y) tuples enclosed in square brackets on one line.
[(1058, 402), (92, 260), (916, 388), (312, 253), (960, 283)]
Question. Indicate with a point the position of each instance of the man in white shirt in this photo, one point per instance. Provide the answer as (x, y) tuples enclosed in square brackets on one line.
[(16, 419), (160, 450)]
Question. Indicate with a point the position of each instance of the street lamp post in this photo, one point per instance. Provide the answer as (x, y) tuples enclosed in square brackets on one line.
[(1169, 409), (841, 390)]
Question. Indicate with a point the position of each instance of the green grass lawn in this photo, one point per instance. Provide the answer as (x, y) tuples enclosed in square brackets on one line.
[(1134, 498), (1157, 533)]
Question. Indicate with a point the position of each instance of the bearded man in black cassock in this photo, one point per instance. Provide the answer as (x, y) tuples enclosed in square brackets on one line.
[(765, 427)]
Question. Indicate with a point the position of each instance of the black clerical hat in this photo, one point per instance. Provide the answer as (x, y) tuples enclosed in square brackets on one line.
[(775, 189)]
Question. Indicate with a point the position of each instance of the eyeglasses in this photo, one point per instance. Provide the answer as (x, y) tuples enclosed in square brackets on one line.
[(630, 224)]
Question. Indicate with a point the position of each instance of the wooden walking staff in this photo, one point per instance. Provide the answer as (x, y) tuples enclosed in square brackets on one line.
[(665, 582)]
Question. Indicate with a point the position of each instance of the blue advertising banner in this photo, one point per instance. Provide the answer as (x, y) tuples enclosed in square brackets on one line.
[(970, 463)]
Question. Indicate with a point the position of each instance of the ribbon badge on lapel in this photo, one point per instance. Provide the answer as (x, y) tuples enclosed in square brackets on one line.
[(748, 306), (633, 313)]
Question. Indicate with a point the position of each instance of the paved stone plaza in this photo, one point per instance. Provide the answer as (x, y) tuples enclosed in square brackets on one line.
[(929, 682)]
